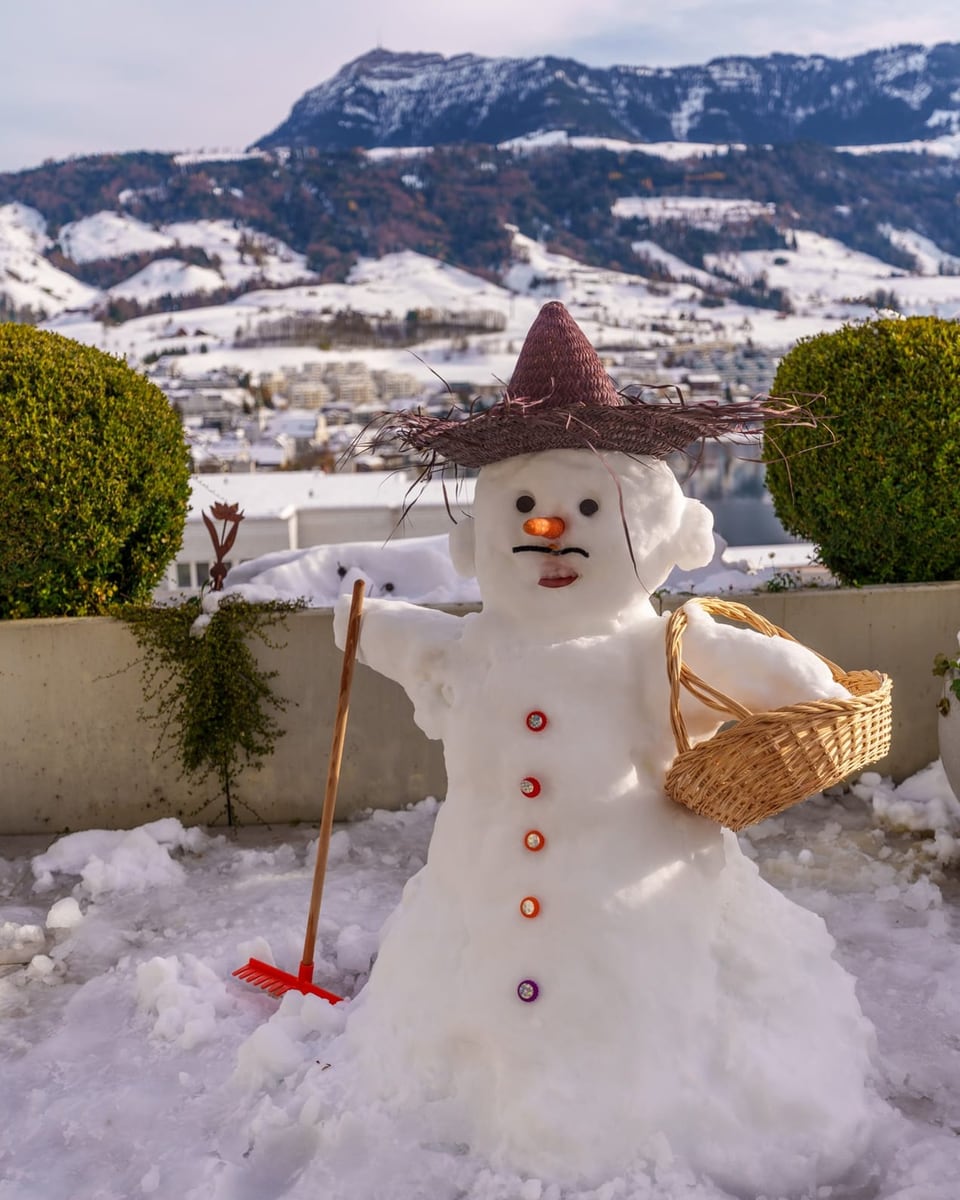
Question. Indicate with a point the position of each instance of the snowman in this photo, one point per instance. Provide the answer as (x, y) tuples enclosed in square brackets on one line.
[(586, 976)]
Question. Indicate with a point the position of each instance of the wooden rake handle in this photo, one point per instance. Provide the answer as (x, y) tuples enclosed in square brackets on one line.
[(333, 773)]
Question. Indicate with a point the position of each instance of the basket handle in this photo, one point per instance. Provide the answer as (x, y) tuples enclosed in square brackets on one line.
[(679, 673)]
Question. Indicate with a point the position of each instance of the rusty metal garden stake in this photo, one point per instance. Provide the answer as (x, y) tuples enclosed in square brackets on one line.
[(223, 541)]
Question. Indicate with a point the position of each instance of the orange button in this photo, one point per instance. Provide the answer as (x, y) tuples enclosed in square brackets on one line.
[(530, 906), (534, 840)]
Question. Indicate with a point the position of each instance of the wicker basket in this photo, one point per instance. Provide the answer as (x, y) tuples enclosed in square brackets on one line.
[(766, 762)]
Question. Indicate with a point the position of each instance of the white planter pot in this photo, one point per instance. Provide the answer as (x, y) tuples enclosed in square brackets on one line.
[(948, 733)]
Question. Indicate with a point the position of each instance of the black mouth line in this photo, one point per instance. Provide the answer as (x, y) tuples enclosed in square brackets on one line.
[(547, 550)]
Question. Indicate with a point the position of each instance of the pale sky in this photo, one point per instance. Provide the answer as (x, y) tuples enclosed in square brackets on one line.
[(91, 76)]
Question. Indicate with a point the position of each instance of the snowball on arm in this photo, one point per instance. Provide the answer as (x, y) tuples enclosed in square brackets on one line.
[(758, 671), (409, 644)]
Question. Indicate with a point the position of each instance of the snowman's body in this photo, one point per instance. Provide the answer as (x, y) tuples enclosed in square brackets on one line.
[(585, 973)]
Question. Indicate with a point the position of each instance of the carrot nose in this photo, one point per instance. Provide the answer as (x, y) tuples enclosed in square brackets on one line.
[(545, 527)]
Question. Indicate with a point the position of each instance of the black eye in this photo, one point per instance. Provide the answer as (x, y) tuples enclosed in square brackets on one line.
[(589, 507), (525, 503)]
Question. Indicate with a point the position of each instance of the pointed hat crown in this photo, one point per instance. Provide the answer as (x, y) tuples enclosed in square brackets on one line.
[(558, 366)]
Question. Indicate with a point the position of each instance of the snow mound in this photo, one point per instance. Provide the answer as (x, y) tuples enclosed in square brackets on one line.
[(115, 860)]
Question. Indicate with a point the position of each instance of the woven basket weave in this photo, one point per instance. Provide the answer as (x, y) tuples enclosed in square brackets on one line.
[(765, 762)]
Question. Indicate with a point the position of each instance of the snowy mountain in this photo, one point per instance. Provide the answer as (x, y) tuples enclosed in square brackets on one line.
[(386, 99), (729, 191)]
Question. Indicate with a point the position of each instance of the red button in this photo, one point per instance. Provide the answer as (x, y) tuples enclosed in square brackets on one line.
[(536, 721), (530, 786), (534, 840), (530, 906)]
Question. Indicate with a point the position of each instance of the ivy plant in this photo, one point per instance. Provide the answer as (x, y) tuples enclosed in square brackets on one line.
[(213, 703)]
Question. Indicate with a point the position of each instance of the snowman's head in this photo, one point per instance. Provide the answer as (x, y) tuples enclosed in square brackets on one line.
[(575, 538)]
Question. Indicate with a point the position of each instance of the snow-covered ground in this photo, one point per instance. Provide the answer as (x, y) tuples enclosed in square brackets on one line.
[(531, 142), (701, 211), (134, 1064)]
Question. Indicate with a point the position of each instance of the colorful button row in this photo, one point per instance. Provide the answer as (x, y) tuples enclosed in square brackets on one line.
[(528, 990)]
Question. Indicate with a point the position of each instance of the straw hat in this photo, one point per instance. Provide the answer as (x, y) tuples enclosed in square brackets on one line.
[(560, 397)]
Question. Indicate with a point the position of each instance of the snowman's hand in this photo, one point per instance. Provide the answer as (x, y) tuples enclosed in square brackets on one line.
[(405, 642), (414, 647)]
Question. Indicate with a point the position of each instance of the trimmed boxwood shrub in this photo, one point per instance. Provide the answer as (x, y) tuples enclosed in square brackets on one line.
[(94, 478), (882, 502)]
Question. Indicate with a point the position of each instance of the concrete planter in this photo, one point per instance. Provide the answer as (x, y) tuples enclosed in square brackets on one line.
[(74, 754)]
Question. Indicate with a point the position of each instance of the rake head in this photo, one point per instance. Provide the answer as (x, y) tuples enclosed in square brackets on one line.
[(277, 983)]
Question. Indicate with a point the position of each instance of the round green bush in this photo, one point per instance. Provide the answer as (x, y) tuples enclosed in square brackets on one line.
[(94, 478), (882, 501)]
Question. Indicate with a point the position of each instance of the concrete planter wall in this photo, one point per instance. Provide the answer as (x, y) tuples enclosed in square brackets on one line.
[(74, 753)]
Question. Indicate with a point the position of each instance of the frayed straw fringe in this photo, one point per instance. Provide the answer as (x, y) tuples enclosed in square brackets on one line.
[(634, 426)]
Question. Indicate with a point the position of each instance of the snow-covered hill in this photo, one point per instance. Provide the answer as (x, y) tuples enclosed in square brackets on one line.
[(235, 256), (111, 235), (663, 299), (826, 282), (820, 273), (28, 281)]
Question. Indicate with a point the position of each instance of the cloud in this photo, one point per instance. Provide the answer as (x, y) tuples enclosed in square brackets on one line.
[(109, 75), (686, 32)]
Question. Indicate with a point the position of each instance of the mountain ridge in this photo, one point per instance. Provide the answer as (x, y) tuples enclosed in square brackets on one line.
[(382, 98)]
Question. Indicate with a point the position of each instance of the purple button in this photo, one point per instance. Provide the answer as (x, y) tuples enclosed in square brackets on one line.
[(528, 991)]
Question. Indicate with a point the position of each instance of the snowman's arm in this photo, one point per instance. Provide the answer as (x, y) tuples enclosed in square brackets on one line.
[(408, 644), (759, 672)]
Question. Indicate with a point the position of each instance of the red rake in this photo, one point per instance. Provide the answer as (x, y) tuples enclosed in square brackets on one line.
[(263, 975)]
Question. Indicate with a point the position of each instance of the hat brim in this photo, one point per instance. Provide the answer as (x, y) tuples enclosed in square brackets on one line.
[(634, 426)]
